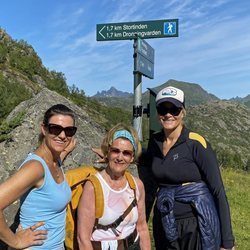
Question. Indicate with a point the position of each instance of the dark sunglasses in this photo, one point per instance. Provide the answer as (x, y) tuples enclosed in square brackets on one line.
[(117, 151), (175, 111), (56, 129)]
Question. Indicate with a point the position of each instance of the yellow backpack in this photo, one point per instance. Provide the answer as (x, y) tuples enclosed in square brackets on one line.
[(76, 178)]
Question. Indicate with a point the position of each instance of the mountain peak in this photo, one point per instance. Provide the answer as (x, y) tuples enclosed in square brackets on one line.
[(112, 92)]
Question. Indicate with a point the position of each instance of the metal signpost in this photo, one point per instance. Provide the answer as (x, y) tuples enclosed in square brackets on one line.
[(143, 65), (143, 52), (145, 58)]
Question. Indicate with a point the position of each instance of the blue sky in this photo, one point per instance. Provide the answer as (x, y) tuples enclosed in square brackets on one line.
[(212, 50)]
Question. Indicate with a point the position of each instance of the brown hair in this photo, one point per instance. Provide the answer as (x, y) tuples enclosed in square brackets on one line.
[(57, 109)]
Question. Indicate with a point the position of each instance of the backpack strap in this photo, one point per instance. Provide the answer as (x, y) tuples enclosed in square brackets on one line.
[(131, 183), (130, 180), (99, 199)]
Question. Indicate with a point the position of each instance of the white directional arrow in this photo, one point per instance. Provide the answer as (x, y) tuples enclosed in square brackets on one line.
[(101, 30)]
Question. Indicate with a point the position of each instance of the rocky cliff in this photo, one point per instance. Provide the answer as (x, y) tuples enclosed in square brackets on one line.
[(24, 138)]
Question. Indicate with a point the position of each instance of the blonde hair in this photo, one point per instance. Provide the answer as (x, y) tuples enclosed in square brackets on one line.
[(184, 112), (108, 140)]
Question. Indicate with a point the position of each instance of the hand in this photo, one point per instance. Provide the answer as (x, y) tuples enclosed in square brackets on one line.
[(30, 236), (233, 248), (99, 153), (70, 147)]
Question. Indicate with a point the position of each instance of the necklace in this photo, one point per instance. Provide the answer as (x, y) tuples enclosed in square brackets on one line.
[(57, 173), (54, 169)]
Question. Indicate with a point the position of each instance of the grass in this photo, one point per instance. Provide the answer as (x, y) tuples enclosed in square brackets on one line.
[(237, 185)]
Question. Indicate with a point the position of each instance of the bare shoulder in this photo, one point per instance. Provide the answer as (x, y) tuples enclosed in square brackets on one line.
[(141, 190), (34, 167), (29, 175), (88, 187), (31, 172), (88, 195)]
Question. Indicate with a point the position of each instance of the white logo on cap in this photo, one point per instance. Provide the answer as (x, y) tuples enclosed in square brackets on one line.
[(169, 92)]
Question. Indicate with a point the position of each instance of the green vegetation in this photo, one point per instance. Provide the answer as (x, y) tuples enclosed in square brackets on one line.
[(3, 53), (107, 116), (7, 127), (23, 57), (57, 82), (230, 139), (22, 74), (11, 94), (238, 193)]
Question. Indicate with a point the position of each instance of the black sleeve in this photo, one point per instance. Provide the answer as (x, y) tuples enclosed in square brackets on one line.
[(206, 160), (145, 174)]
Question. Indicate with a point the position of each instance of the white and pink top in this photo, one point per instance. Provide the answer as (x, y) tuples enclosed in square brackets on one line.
[(115, 203)]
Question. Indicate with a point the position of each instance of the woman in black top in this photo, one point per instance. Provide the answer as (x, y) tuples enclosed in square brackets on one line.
[(180, 167)]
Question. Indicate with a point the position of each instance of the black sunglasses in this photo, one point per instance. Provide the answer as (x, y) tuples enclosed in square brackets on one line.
[(56, 129), (175, 111)]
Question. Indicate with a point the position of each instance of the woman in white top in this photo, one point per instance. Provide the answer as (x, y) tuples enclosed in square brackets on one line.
[(120, 148)]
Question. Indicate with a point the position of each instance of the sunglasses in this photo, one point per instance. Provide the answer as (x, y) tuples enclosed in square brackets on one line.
[(125, 153), (175, 111), (56, 129)]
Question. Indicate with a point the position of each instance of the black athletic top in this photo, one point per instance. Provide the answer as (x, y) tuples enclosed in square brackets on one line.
[(190, 159)]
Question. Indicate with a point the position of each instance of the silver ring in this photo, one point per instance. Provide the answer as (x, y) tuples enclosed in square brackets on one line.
[(31, 228)]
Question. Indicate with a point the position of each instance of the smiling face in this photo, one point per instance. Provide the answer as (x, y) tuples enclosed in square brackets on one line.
[(120, 155), (170, 116), (55, 139)]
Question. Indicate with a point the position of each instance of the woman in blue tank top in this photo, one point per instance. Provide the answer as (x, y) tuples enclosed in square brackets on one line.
[(41, 186)]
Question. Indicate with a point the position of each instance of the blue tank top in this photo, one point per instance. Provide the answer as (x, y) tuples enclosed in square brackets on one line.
[(47, 203)]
